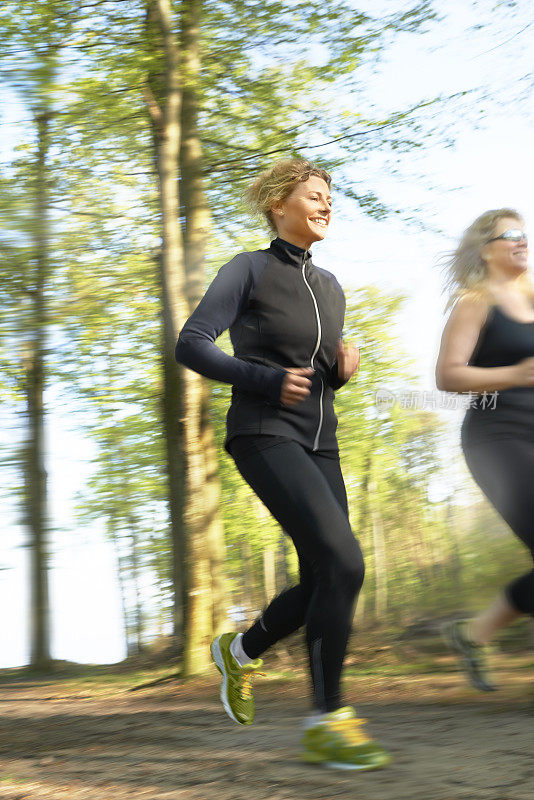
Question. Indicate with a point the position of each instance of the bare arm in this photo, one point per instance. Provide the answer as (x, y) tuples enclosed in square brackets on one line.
[(458, 342)]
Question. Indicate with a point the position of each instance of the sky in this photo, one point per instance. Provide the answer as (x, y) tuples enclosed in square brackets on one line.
[(489, 166)]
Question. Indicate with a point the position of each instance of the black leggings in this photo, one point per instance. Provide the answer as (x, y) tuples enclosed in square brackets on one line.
[(306, 494), (500, 455)]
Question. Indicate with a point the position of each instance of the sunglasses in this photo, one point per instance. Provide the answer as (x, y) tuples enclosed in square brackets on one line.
[(513, 235)]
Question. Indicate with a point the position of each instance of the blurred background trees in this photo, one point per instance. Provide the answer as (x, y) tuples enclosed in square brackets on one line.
[(120, 199)]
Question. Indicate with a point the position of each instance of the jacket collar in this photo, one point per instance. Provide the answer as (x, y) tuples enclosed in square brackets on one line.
[(290, 253)]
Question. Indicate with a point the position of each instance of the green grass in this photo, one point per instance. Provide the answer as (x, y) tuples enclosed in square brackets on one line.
[(374, 655), (88, 676), (7, 778), (405, 669)]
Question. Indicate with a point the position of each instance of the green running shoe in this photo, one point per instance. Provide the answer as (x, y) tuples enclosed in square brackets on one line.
[(338, 741), (472, 656), (236, 690)]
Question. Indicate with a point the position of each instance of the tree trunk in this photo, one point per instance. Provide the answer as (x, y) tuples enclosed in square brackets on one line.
[(213, 523), (268, 556), (135, 578), (379, 547), (455, 559), (418, 550), (283, 579), (247, 581), (363, 524), (161, 587), (195, 211), (35, 473), (269, 582), (363, 501), (195, 226), (166, 129), (198, 616), (182, 276), (122, 580)]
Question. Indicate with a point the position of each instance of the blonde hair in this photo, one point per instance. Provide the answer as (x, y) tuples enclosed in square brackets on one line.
[(465, 269), (274, 185)]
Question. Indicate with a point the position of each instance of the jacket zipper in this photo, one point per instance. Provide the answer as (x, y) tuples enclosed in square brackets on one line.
[(318, 433)]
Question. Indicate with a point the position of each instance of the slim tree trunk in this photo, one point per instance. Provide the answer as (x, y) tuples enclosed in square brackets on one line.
[(135, 578), (282, 571), (214, 528), (163, 99), (268, 556), (455, 559), (248, 582), (379, 547), (269, 572), (418, 550), (198, 617), (195, 211), (364, 523), (195, 226), (173, 416), (121, 578), (160, 583), (201, 548), (35, 472), (202, 500)]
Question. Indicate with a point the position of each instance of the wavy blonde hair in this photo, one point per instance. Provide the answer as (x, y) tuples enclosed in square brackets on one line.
[(274, 185), (465, 269)]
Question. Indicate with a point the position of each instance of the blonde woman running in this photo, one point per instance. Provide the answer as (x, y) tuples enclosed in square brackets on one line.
[(285, 317), (488, 347)]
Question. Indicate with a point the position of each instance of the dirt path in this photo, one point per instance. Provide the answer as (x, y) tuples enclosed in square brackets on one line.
[(102, 742)]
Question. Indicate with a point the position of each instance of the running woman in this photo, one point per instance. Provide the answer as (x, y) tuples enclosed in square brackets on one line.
[(488, 348), (286, 318)]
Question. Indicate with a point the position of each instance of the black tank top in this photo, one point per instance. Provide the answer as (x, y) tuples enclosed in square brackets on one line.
[(504, 341)]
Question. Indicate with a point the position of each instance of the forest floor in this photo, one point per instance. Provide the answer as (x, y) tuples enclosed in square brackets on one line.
[(108, 734)]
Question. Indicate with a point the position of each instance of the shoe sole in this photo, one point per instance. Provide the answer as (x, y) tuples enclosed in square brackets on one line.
[(319, 761), (219, 663)]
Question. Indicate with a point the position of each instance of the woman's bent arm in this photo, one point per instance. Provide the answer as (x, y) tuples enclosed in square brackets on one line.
[(222, 303), (460, 335)]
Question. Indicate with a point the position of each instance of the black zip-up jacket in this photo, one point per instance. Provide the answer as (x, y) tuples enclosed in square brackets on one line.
[(282, 311)]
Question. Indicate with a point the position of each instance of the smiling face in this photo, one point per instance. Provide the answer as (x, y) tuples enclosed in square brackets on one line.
[(304, 216), (506, 258)]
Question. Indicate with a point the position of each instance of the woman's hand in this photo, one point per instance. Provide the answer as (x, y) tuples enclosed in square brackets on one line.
[(348, 360), (295, 386), (524, 372)]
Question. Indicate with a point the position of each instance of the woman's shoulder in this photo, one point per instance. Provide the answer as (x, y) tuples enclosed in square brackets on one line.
[(248, 263), (474, 302), (247, 259), (329, 276), (471, 314)]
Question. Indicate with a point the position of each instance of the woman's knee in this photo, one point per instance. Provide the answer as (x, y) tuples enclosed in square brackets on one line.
[(347, 569), (520, 593), (355, 569)]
